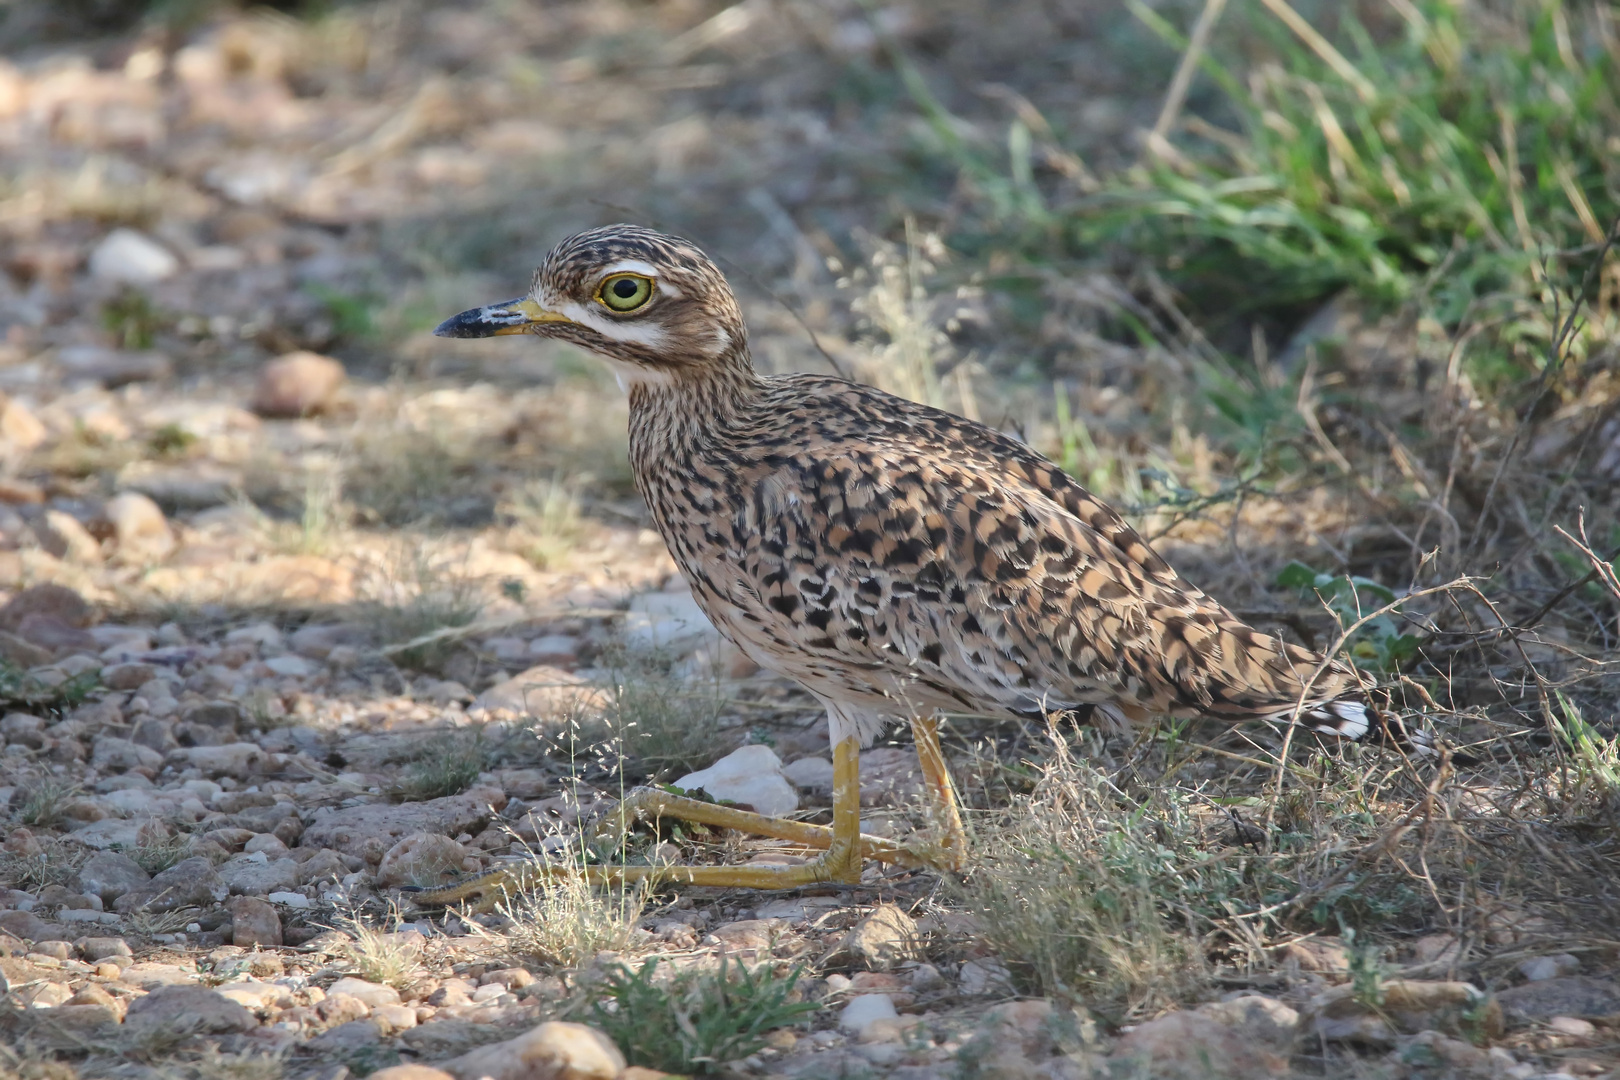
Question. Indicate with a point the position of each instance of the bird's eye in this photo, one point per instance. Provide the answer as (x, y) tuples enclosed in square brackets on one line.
[(625, 292)]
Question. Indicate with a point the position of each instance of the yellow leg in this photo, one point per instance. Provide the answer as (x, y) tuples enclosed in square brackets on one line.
[(952, 850), (841, 861), (843, 845)]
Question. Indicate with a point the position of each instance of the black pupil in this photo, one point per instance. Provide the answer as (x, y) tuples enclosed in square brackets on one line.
[(624, 288)]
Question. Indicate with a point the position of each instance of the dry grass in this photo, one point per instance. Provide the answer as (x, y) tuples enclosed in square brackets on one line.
[(567, 923), (547, 523), (1092, 893), (56, 862), (378, 956)]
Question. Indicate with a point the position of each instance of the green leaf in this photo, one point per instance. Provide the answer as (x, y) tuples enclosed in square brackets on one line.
[(1296, 575)]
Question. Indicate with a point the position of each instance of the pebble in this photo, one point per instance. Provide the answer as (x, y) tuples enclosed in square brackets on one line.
[(141, 532), (864, 1010), (298, 384), (553, 1051), (128, 257), (752, 776), (1541, 968)]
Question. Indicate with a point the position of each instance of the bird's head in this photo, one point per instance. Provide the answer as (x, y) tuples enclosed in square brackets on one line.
[(653, 304)]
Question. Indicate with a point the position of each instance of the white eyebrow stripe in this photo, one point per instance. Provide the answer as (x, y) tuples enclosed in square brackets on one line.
[(630, 266)]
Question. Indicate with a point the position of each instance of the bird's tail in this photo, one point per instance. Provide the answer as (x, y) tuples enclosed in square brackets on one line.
[(1353, 717)]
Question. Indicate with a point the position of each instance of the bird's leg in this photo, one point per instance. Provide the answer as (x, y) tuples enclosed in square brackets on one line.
[(951, 852), (650, 804), (841, 861)]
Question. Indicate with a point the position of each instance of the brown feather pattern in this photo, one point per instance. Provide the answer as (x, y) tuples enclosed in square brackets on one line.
[(894, 558)]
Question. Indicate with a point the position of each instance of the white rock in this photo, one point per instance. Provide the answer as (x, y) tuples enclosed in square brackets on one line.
[(1541, 968), (865, 1010), (1564, 1025), (291, 664), (259, 633), (752, 775), (668, 622), (986, 976), (132, 258), (290, 899), (373, 994), (143, 532), (109, 833)]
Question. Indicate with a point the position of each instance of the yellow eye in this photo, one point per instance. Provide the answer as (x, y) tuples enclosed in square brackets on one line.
[(625, 292)]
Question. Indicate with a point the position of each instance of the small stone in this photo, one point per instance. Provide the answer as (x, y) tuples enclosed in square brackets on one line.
[(23, 654), (347, 1038), (127, 676), (111, 874), (370, 831), (240, 760), (340, 1008), (128, 257), (553, 1051), (864, 1010), (291, 666), (298, 384), (23, 431), (111, 754), (1190, 1046), (220, 715), (1322, 955), (191, 882), (411, 1072), (750, 776), (65, 536), (185, 1010), (749, 934), (421, 859), (1572, 1026), (51, 633), (141, 531), (96, 949), (884, 938), (1541, 968), (24, 729), (985, 976), (1257, 1018), (1579, 996), (255, 995), (373, 994), (58, 601), (253, 877)]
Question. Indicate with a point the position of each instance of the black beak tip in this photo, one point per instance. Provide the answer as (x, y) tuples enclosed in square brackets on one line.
[(468, 324)]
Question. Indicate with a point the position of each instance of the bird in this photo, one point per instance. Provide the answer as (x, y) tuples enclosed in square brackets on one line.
[(895, 560)]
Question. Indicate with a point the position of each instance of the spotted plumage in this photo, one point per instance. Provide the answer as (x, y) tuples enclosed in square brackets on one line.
[(890, 557)]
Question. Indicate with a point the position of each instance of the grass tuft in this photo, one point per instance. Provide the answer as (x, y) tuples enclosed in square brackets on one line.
[(379, 956), (447, 765), (1086, 892), (567, 923), (695, 1020), (45, 803)]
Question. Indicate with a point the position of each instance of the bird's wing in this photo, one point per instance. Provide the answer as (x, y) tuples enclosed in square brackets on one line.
[(944, 560)]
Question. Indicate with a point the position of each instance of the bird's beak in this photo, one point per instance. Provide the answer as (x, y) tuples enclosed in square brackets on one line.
[(518, 316)]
